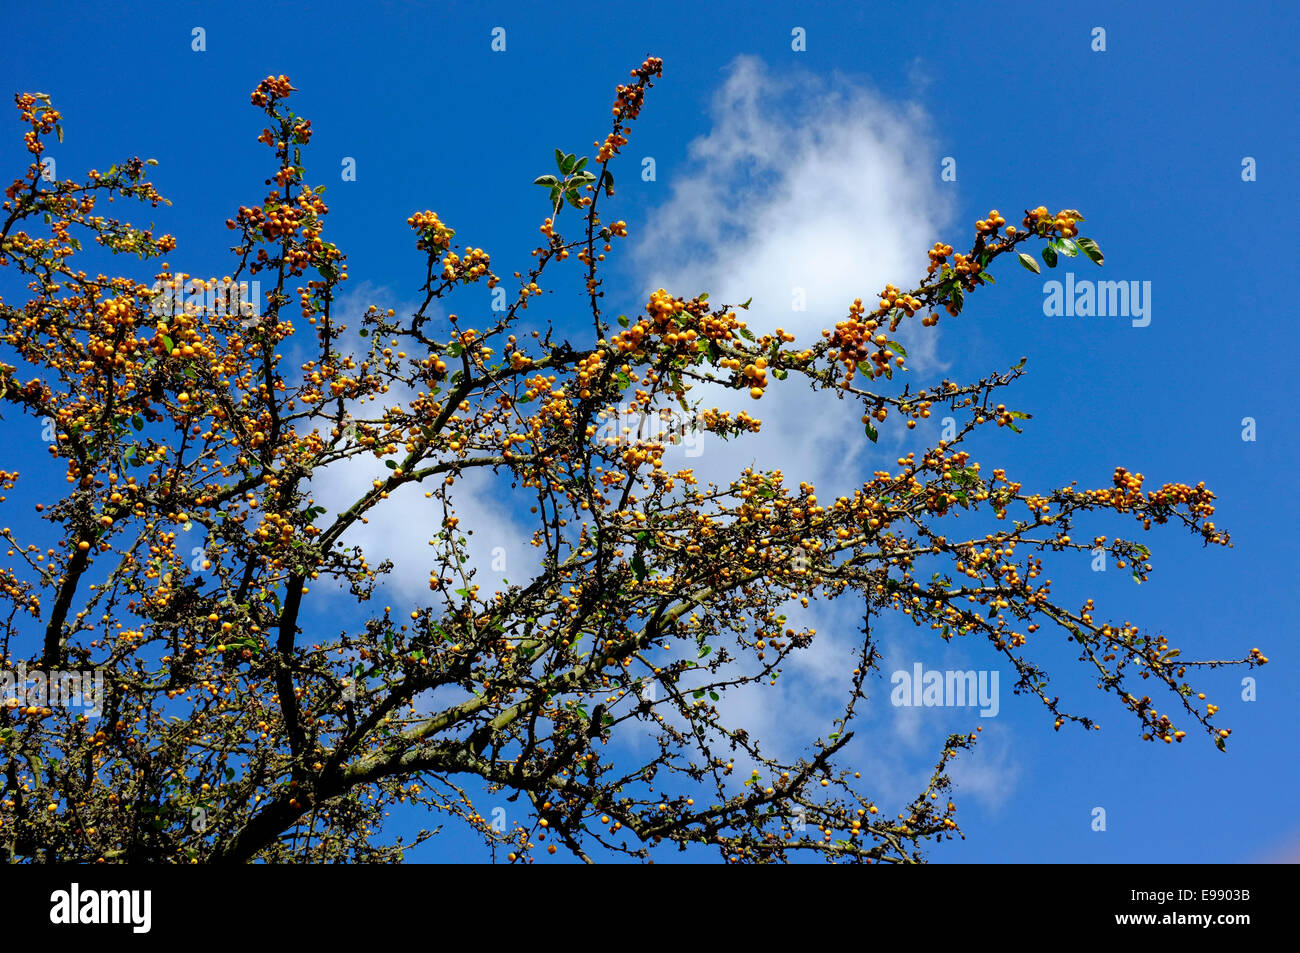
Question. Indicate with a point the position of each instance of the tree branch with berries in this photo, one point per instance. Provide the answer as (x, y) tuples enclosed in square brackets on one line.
[(594, 694)]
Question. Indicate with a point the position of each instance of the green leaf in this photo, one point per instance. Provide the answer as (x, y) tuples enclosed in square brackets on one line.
[(638, 568), (896, 348), (747, 303), (622, 320), (391, 464), (1029, 263), (578, 166), (567, 163), (559, 160), (1067, 247), (1089, 248), (872, 434), (1049, 256), (546, 180)]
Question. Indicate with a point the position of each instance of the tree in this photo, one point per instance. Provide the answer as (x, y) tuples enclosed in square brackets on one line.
[(230, 734)]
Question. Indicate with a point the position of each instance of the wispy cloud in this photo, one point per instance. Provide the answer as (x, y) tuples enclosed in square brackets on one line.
[(804, 188), (820, 190), (400, 530)]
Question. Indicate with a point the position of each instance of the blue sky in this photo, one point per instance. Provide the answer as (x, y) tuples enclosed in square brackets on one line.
[(844, 139)]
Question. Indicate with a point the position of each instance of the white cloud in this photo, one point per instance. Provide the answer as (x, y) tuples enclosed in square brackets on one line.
[(989, 772), (821, 185), (802, 183), (400, 529)]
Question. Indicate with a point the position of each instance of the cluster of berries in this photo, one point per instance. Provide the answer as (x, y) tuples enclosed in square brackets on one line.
[(434, 235), (270, 89), (1063, 223)]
